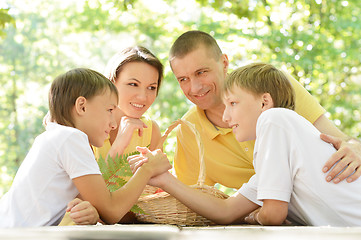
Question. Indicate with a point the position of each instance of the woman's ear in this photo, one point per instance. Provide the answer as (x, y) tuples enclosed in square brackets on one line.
[(80, 105), (267, 102)]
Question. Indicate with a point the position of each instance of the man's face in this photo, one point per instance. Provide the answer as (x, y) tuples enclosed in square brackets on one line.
[(201, 76)]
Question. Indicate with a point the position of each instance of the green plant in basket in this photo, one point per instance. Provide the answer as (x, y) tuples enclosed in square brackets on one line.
[(116, 172)]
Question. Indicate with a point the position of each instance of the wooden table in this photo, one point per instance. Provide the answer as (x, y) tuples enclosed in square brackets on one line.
[(169, 232)]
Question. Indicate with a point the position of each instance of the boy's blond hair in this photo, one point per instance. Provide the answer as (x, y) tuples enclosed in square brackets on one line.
[(66, 88), (259, 78)]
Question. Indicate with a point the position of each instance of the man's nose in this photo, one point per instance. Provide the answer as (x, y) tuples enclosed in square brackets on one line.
[(196, 85)]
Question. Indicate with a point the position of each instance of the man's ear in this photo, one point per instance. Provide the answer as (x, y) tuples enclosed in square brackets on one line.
[(267, 102), (80, 105), (225, 62)]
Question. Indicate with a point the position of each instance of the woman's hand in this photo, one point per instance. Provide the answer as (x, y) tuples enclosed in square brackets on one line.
[(125, 132)]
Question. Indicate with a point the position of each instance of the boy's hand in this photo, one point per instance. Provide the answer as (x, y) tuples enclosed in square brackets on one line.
[(82, 212), (252, 218), (160, 180), (157, 161), (136, 161)]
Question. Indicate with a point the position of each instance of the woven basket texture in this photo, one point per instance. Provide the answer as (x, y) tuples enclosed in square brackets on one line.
[(162, 208)]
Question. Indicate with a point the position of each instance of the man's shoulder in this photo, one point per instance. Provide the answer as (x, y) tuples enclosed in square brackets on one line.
[(194, 115)]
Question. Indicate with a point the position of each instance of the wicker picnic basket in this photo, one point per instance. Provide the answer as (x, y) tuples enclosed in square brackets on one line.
[(162, 208)]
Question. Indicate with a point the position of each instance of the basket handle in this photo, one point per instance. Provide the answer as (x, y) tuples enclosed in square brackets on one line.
[(202, 167)]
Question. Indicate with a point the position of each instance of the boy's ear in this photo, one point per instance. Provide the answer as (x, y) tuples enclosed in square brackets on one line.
[(267, 102), (80, 105)]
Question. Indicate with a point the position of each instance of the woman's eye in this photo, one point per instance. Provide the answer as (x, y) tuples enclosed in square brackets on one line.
[(152, 88), (233, 103), (133, 84)]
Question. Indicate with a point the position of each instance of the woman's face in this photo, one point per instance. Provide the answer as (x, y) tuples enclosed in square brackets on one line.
[(137, 85)]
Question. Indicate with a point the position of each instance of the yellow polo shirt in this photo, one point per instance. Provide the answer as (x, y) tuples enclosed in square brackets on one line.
[(227, 161)]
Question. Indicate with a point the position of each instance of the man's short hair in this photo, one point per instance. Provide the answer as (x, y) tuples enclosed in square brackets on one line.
[(189, 41)]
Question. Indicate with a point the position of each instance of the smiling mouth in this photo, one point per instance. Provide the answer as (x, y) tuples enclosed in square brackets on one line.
[(137, 105), (200, 95)]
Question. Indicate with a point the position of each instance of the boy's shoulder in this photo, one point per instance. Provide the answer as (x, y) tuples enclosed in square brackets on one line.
[(61, 132), (279, 113), (282, 117)]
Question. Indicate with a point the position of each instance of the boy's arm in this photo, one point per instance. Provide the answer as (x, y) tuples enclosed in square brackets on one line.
[(273, 212), (218, 210), (113, 206)]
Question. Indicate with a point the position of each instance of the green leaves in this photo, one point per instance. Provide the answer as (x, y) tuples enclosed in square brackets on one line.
[(5, 18), (116, 172)]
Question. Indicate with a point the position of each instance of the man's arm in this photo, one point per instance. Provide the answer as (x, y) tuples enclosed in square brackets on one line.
[(348, 150)]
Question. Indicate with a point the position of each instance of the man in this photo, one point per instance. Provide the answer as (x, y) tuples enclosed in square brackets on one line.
[(200, 68)]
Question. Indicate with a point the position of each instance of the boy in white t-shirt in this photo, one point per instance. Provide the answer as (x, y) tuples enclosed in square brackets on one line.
[(61, 165), (288, 154)]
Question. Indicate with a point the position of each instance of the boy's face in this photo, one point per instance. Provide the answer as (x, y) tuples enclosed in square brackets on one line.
[(241, 113), (98, 117)]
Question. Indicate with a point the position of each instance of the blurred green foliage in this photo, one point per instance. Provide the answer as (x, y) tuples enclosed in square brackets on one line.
[(317, 41)]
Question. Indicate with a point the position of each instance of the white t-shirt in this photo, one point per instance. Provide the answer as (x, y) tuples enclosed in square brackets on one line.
[(43, 185), (288, 159)]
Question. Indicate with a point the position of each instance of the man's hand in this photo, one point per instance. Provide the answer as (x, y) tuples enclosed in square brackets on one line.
[(82, 212), (349, 154)]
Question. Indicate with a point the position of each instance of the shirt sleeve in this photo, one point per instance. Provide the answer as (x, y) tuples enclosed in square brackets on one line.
[(249, 190), (78, 158), (272, 165)]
